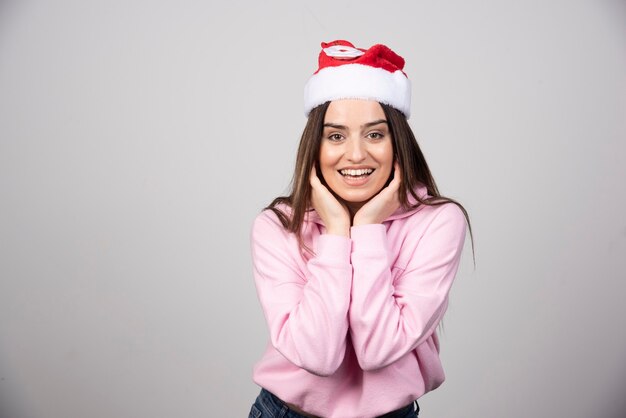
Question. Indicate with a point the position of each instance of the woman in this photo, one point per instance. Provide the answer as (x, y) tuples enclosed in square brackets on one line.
[(354, 267)]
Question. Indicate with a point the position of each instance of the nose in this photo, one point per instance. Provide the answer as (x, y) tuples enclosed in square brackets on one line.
[(355, 151)]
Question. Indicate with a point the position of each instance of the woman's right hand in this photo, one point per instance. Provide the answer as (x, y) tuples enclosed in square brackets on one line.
[(335, 215)]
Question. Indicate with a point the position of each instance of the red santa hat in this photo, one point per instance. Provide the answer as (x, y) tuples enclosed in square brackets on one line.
[(346, 72)]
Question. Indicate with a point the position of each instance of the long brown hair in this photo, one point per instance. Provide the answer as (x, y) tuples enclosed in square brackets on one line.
[(412, 163)]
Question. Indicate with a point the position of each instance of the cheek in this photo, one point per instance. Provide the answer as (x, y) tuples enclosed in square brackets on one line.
[(384, 155), (328, 157), (326, 164)]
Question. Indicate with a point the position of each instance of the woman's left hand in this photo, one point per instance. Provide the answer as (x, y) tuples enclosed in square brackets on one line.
[(381, 206)]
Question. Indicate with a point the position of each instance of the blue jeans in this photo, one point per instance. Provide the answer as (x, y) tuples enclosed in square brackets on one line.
[(268, 405)]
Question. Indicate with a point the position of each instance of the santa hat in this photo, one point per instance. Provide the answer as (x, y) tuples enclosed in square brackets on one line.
[(346, 72)]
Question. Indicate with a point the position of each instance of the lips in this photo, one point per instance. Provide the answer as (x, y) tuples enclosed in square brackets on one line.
[(355, 177), (356, 173)]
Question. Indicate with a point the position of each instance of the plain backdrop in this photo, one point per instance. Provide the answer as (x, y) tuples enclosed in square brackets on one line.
[(139, 139)]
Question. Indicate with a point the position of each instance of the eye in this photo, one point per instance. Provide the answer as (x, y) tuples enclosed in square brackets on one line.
[(375, 135), (335, 137)]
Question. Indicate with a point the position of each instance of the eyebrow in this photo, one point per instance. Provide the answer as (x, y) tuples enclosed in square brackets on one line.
[(365, 125)]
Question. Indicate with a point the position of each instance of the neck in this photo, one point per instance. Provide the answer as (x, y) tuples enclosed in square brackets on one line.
[(353, 208)]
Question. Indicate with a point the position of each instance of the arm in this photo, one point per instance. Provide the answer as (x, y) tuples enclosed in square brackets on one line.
[(389, 319), (307, 314)]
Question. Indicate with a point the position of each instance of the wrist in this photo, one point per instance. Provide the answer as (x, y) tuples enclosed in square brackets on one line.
[(343, 230), (363, 221)]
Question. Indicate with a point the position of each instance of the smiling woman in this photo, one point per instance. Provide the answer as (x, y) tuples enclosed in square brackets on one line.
[(353, 268), (356, 153)]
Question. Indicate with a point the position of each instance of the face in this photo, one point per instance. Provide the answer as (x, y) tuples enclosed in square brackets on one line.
[(356, 152)]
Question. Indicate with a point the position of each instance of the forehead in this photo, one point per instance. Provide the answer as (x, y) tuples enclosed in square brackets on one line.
[(353, 111)]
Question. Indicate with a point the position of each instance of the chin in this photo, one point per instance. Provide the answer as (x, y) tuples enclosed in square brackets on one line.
[(358, 196)]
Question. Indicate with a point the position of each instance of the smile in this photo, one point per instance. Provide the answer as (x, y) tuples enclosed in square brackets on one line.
[(359, 173)]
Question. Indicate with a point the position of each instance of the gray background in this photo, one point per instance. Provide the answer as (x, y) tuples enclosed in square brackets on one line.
[(138, 140)]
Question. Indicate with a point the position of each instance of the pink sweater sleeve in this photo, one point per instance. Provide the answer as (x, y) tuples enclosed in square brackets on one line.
[(390, 318), (307, 313)]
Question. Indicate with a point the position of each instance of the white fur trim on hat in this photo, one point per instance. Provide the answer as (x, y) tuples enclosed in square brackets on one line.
[(357, 81)]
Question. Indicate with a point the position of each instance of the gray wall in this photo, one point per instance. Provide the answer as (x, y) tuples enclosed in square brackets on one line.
[(138, 140)]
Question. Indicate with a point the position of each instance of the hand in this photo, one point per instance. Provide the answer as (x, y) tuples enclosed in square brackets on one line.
[(381, 206), (335, 215)]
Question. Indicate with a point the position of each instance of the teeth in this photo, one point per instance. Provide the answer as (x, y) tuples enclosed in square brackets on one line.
[(356, 173)]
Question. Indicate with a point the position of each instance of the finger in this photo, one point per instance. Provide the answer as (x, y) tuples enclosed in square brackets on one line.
[(313, 177), (397, 172), (397, 176)]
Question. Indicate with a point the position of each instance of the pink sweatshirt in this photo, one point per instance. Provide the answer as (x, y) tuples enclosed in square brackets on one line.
[(352, 328)]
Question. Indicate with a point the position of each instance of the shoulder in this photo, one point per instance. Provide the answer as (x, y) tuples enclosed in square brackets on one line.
[(268, 218), (446, 219), (449, 212), (267, 224), (446, 226), (429, 233), (448, 215), (271, 242)]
